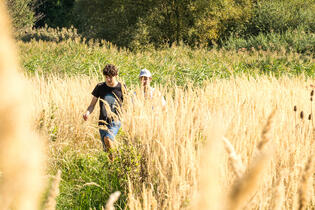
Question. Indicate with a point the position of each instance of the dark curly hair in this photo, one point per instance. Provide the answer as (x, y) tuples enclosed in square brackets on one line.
[(110, 70)]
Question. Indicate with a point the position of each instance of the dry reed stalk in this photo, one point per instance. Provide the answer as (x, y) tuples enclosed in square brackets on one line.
[(279, 194), (20, 151), (235, 160), (209, 185), (303, 191), (54, 192), (133, 202), (244, 188), (112, 199), (266, 130)]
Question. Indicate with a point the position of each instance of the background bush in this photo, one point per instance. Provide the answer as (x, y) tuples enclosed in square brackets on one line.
[(50, 34), (296, 40), (280, 16), (54, 13), (22, 13)]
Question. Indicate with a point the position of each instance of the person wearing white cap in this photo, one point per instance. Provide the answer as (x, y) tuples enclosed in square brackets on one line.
[(145, 78)]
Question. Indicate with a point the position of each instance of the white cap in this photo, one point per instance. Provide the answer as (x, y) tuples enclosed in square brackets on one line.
[(145, 73)]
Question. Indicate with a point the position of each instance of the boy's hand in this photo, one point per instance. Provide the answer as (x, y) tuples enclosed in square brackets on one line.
[(86, 115)]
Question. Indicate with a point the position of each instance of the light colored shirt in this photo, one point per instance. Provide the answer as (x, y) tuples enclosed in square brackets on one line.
[(152, 92)]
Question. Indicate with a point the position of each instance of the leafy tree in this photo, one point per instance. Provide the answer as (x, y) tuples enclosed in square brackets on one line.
[(54, 13), (113, 20), (198, 22)]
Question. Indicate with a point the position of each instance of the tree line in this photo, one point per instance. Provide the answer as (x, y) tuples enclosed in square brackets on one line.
[(134, 24)]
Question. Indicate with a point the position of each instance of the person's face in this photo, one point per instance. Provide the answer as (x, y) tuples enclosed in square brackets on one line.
[(110, 80), (145, 81)]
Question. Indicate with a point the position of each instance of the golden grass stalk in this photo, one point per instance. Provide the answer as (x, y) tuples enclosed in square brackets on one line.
[(279, 194), (20, 151), (209, 195), (235, 160), (303, 191), (172, 139), (54, 192), (245, 187), (112, 199), (266, 130)]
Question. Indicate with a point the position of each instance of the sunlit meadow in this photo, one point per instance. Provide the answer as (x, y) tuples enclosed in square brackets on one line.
[(237, 130), (175, 150)]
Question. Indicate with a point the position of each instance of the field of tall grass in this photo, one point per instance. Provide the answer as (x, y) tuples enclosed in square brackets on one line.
[(237, 130), (173, 157)]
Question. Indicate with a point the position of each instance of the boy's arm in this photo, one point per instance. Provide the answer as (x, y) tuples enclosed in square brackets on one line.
[(90, 108)]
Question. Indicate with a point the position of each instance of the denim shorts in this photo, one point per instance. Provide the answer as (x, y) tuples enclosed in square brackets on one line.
[(111, 132)]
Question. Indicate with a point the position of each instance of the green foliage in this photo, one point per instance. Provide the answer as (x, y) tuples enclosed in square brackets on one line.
[(159, 23), (112, 20), (216, 19), (167, 22), (276, 24), (292, 40), (280, 16), (149, 24), (89, 179), (22, 14), (55, 13), (178, 64), (50, 34)]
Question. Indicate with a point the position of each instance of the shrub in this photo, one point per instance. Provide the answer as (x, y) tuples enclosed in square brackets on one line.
[(49, 34), (280, 16), (296, 40)]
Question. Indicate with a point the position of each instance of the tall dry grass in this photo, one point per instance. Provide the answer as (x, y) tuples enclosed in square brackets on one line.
[(180, 174), (20, 150)]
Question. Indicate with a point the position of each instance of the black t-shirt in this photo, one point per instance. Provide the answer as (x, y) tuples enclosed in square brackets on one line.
[(113, 96)]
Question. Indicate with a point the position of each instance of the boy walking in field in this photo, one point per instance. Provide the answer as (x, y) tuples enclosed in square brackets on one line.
[(110, 94)]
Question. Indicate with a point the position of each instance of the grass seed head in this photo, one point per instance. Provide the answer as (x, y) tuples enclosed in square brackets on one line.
[(302, 115)]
